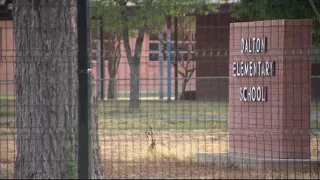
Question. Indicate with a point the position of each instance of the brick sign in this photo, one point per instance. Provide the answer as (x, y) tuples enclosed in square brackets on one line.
[(270, 88)]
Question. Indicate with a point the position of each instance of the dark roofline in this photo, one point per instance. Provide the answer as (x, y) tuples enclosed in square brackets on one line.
[(223, 9)]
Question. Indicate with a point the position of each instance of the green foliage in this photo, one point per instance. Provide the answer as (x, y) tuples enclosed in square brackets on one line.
[(279, 9), (145, 13), (126, 16), (274, 9), (70, 165)]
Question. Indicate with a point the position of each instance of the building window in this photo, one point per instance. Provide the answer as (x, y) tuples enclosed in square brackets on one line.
[(153, 56), (181, 47), (153, 46)]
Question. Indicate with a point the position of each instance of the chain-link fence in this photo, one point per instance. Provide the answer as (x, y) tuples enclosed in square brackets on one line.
[(159, 89)]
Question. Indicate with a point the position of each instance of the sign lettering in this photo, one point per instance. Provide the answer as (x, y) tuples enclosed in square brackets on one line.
[(253, 94), (251, 45), (257, 68)]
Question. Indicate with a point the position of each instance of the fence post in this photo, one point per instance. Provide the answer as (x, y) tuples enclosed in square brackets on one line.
[(169, 56), (161, 64), (83, 93), (116, 94), (102, 58), (176, 58)]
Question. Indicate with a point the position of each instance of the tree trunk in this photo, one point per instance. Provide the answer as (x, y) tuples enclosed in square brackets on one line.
[(184, 86), (46, 91), (134, 86), (134, 63), (112, 86), (113, 64), (96, 168)]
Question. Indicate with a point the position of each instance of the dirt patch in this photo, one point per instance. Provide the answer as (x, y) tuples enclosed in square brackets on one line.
[(173, 168)]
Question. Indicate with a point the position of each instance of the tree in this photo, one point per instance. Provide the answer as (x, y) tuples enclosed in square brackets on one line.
[(186, 25), (113, 53), (111, 49), (46, 91), (275, 9), (140, 16), (186, 29)]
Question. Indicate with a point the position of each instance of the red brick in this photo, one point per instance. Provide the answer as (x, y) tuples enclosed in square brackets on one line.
[(286, 92)]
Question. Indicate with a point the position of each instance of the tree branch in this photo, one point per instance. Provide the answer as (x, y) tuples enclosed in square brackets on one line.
[(316, 12), (181, 73), (138, 47), (125, 32), (192, 72)]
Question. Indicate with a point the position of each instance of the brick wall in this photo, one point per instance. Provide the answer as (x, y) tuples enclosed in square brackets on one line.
[(212, 44), (266, 128), (6, 58)]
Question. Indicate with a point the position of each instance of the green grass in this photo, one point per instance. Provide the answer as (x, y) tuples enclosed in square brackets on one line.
[(163, 108), (111, 126), (315, 125), (7, 106), (315, 106), (146, 94), (7, 128), (162, 115), (6, 96), (160, 125), (127, 95)]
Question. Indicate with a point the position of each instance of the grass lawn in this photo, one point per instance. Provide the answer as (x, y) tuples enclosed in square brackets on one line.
[(128, 155), (207, 110), (180, 115), (127, 95), (7, 106), (162, 107), (181, 129), (160, 125)]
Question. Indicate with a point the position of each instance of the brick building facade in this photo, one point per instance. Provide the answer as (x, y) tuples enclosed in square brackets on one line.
[(212, 43), (6, 49)]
